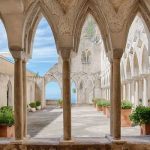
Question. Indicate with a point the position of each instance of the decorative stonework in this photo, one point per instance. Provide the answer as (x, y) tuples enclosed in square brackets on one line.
[(117, 19), (65, 4)]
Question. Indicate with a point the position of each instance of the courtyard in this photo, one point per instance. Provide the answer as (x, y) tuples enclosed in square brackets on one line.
[(86, 122)]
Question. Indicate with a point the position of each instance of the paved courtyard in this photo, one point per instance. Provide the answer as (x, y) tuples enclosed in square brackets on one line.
[(86, 122)]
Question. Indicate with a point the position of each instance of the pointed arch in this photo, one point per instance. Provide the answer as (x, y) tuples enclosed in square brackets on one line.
[(89, 7), (130, 21), (4, 34), (31, 22)]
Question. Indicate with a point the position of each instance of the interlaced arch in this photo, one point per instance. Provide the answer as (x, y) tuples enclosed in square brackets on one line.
[(97, 14)]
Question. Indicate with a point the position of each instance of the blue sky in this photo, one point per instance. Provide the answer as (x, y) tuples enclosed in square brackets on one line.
[(44, 55)]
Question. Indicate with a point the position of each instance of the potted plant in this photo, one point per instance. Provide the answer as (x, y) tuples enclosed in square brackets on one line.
[(38, 105), (141, 116), (60, 103), (105, 106), (126, 108), (6, 122), (99, 105), (32, 107)]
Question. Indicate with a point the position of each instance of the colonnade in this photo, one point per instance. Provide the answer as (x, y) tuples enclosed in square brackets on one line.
[(20, 95)]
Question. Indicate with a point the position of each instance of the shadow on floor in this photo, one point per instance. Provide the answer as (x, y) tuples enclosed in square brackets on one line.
[(37, 120)]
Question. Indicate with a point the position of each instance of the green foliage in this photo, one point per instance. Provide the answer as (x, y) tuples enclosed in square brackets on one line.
[(6, 108), (38, 103), (60, 102), (90, 29), (141, 115), (74, 90), (32, 105), (106, 103), (99, 103), (6, 116), (102, 102), (125, 104)]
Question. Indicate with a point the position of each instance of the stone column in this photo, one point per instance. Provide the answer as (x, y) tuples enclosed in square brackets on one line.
[(111, 100), (18, 95), (116, 99), (66, 94), (145, 92), (136, 99), (24, 97)]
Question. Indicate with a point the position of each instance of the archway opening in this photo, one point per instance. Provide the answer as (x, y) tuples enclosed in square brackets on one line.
[(135, 68), (53, 91), (73, 93), (44, 59), (6, 69), (92, 62)]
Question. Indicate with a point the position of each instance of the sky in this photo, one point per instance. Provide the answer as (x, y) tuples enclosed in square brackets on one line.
[(44, 55)]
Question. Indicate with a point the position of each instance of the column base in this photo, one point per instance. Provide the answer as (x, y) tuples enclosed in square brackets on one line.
[(17, 142), (117, 144), (66, 142), (27, 137)]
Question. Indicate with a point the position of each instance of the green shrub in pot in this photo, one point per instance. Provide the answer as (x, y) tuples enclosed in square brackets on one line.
[(6, 116), (141, 115), (125, 104)]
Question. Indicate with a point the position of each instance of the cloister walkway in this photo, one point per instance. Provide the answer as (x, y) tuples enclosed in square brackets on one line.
[(86, 122)]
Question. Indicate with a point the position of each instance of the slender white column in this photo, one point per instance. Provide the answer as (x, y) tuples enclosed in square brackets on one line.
[(145, 92), (136, 100)]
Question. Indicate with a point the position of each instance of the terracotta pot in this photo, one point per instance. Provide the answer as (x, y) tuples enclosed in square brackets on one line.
[(33, 109), (125, 121), (6, 131), (99, 108), (104, 110), (39, 108), (108, 111), (145, 129)]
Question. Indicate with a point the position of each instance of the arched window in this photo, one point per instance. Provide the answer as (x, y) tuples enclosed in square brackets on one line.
[(83, 57), (88, 57), (53, 91)]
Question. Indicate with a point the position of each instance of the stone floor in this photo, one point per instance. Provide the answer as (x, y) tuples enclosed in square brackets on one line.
[(89, 128), (86, 122)]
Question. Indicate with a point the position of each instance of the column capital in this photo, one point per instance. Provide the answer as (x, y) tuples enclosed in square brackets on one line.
[(19, 54), (117, 53), (66, 53)]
